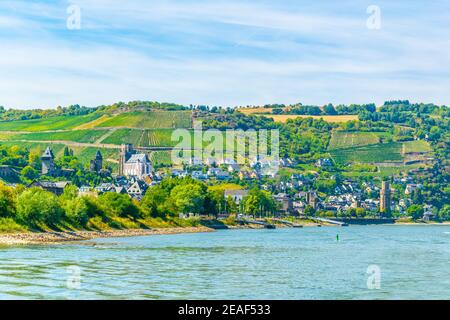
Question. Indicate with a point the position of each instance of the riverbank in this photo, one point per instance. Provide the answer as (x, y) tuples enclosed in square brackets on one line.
[(25, 238)]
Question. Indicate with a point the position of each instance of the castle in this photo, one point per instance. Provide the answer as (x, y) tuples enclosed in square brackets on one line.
[(48, 162), (132, 164), (97, 163)]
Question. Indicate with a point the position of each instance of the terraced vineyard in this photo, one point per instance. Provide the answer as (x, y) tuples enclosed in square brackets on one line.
[(149, 120), (53, 123), (83, 136), (376, 153), (344, 139), (142, 138)]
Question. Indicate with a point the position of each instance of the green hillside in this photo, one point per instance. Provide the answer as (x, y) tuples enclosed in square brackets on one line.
[(150, 120), (52, 123)]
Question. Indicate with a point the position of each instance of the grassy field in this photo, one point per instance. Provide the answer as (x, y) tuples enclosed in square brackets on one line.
[(150, 120), (248, 111), (83, 136), (332, 119), (416, 146), (54, 123), (344, 139), (369, 154)]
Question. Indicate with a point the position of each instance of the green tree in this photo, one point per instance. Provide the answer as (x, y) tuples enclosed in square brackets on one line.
[(36, 206), (7, 201), (29, 173), (119, 205), (77, 211), (415, 211), (188, 198)]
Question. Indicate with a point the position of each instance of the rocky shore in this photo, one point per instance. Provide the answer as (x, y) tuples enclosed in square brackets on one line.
[(25, 238)]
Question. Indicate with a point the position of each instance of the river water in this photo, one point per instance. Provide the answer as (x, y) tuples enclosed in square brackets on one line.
[(367, 262)]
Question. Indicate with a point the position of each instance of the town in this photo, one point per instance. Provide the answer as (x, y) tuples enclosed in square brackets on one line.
[(295, 196)]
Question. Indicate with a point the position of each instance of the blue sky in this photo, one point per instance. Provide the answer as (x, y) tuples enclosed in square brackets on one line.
[(223, 52)]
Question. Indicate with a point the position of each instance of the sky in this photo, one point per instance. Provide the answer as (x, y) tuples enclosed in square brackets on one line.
[(223, 53)]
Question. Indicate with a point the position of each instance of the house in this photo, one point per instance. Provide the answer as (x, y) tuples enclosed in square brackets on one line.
[(210, 161), (410, 188), (199, 175), (87, 191), (105, 187), (137, 189), (325, 162), (226, 161), (285, 202), (243, 175), (236, 195), (179, 173), (233, 167), (194, 161), (56, 188)]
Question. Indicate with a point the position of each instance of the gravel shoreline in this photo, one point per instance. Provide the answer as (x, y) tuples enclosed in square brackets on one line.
[(25, 238)]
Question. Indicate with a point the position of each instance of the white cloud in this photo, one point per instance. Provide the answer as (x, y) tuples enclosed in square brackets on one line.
[(220, 53)]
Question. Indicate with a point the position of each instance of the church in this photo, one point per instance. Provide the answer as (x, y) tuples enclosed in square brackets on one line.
[(132, 164)]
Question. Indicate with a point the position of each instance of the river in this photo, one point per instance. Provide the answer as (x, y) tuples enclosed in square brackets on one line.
[(363, 262)]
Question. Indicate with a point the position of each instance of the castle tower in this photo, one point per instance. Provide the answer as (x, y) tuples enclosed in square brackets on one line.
[(48, 162), (385, 197), (311, 199), (97, 163), (126, 150)]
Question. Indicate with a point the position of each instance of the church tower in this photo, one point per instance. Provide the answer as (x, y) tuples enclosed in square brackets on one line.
[(126, 150), (48, 162)]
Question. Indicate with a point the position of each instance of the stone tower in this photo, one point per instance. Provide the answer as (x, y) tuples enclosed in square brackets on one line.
[(48, 162), (97, 163), (126, 150), (385, 197)]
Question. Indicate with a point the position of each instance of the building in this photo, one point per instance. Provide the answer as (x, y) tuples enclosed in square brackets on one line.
[(236, 195), (97, 163), (137, 189), (132, 164), (54, 187), (285, 202), (48, 162), (385, 197), (312, 200)]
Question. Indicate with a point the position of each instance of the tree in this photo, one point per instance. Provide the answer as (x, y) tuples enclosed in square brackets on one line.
[(36, 207), (309, 211), (7, 201), (152, 204), (29, 173), (415, 211), (188, 198), (77, 211), (119, 205), (329, 109)]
